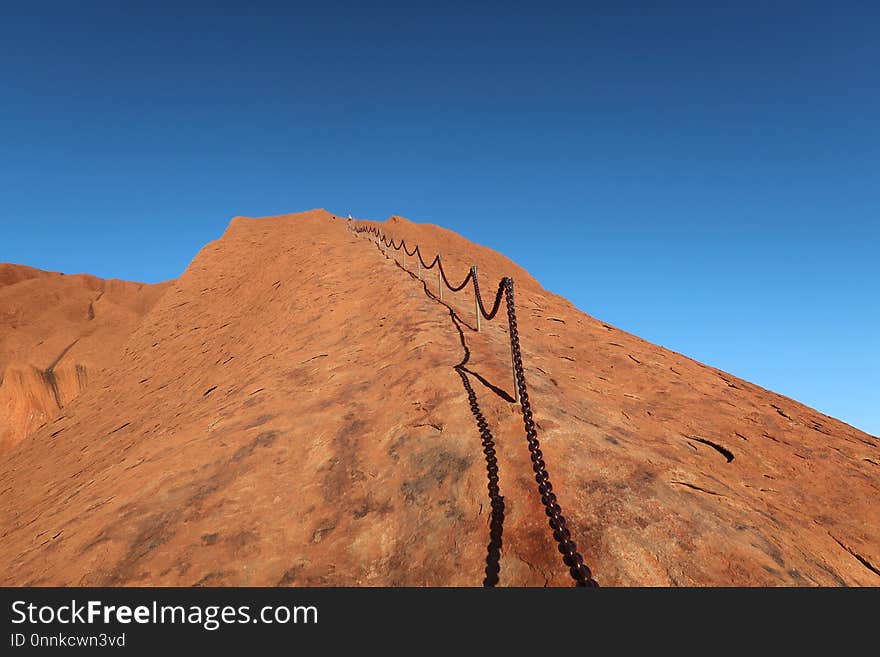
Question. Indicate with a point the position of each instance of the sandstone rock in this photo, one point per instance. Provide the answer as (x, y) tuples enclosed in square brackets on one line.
[(289, 412), (57, 332)]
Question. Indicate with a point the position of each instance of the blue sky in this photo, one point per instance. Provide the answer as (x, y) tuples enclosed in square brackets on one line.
[(705, 177)]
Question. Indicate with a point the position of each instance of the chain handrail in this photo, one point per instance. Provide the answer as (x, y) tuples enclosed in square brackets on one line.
[(578, 570)]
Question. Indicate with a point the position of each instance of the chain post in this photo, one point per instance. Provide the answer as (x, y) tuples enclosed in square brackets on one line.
[(513, 367), (476, 296)]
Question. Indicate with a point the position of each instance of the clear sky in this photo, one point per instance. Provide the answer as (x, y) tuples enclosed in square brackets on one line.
[(706, 177)]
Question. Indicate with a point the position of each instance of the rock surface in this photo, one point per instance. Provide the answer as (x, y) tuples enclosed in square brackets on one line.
[(289, 412), (57, 332)]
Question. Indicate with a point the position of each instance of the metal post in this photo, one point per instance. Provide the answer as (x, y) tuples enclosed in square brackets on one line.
[(439, 278), (418, 257), (513, 369), (476, 300)]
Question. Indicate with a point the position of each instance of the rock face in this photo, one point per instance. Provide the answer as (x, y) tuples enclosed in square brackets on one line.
[(290, 412), (56, 333)]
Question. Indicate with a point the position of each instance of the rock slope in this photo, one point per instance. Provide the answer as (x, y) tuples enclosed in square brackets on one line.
[(291, 412), (57, 333)]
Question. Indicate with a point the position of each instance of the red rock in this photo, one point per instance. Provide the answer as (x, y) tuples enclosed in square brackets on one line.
[(57, 333), (289, 412)]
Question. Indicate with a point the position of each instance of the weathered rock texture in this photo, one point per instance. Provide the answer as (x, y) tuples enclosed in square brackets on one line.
[(289, 413), (57, 333)]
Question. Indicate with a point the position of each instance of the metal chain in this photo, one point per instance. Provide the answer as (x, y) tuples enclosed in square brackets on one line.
[(490, 315), (578, 570), (460, 286)]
